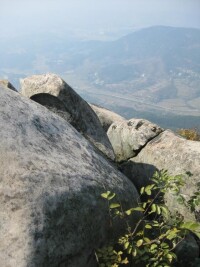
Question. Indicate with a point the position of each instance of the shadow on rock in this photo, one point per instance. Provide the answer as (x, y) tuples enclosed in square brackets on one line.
[(140, 174), (69, 229)]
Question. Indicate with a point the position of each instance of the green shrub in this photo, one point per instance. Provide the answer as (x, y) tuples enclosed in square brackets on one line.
[(190, 134), (152, 241)]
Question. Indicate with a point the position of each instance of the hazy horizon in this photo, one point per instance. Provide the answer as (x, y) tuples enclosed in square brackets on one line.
[(155, 70), (19, 17)]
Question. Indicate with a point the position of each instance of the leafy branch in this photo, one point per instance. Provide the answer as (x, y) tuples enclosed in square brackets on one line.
[(155, 236)]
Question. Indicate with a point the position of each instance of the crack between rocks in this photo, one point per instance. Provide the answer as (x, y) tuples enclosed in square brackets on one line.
[(140, 149)]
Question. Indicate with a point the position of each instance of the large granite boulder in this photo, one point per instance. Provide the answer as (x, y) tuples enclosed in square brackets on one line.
[(51, 178), (129, 137), (170, 152), (54, 93), (5, 83), (106, 117)]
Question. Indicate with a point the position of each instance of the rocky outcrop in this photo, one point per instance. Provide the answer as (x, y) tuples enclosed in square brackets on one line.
[(142, 147), (51, 91), (51, 178), (165, 151), (129, 137), (106, 116), (169, 152), (7, 84)]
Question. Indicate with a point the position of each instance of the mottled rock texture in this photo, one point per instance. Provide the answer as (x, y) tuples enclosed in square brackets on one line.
[(188, 252), (129, 137), (54, 93), (173, 153), (106, 117), (51, 178), (7, 84)]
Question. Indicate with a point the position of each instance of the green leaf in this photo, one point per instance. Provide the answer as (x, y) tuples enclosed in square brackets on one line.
[(164, 245), (148, 226), (192, 226), (111, 196), (149, 187), (142, 190), (165, 210), (156, 225), (105, 195), (139, 242), (153, 246), (140, 233), (125, 261), (134, 252), (138, 209), (197, 234), (153, 208), (172, 234), (147, 240), (129, 250), (144, 205), (148, 191), (128, 212), (158, 209), (126, 245), (169, 257), (114, 205), (108, 195)]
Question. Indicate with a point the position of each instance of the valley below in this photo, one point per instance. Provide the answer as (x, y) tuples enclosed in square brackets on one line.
[(153, 73)]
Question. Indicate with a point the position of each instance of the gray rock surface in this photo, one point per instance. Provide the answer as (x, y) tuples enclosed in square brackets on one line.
[(139, 173), (106, 117), (129, 137), (175, 154), (188, 252), (54, 93), (51, 178), (7, 84)]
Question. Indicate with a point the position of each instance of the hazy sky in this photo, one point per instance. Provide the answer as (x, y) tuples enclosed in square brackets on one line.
[(19, 16)]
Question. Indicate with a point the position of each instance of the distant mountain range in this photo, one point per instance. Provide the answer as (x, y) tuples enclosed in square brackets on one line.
[(158, 65), (151, 71)]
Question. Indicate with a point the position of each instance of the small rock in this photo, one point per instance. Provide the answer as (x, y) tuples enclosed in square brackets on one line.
[(129, 137)]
